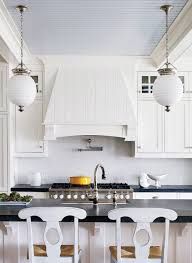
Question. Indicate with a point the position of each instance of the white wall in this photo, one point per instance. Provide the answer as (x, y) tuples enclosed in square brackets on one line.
[(65, 161)]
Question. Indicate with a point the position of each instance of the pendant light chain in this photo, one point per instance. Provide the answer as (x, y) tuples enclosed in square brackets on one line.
[(21, 36), (167, 38), (21, 68)]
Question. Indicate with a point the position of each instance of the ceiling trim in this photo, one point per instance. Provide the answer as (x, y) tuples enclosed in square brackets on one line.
[(10, 34), (180, 37)]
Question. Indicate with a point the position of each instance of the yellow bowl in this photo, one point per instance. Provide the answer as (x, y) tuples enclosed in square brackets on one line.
[(80, 180)]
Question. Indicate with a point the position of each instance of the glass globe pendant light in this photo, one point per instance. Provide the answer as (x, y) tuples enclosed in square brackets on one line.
[(168, 88), (21, 87)]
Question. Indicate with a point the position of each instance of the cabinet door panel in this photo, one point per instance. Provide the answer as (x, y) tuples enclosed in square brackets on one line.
[(149, 127), (3, 153), (177, 128), (29, 129), (3, 82)]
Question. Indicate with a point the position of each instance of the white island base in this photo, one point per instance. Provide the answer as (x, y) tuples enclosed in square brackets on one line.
[(95, 238)]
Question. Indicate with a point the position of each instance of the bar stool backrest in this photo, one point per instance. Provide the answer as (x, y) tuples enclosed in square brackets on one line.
[(142, 217), (52, 216)]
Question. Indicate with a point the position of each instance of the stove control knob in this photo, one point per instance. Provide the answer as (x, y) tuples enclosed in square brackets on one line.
[(69, 196), (61, 196), (108, 196), (127, 196), (82, 196), (55, 196), (121, 196), (75, 196)]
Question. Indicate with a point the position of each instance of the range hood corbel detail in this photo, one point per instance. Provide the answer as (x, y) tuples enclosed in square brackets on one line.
[(90, 101)]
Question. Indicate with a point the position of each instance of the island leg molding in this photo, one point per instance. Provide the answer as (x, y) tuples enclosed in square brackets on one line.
[(97, 242), (184, 243), (9, 242)]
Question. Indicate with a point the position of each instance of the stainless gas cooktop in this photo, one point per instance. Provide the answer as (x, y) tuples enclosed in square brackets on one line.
[(107, 192)]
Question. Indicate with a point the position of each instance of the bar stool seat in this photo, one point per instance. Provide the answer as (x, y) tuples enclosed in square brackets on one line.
[(66, 250), (129, 252)]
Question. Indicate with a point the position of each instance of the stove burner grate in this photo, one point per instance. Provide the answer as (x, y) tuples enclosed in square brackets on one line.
[(100, 186)]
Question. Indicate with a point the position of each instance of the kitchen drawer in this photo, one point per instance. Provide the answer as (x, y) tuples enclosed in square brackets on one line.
[(155, 195), (185, 195), (39, 195)]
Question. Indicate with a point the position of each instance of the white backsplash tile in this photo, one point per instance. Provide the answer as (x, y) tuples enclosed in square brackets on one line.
[(65, 161)]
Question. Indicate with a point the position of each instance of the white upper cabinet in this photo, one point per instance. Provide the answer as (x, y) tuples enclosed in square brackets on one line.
[(149, 127), (177, 128), (3, 85), (160, 133), (29, 131), (3, 153)]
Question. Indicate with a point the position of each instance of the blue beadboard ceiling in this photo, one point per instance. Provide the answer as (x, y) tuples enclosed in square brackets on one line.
[(94, 27)]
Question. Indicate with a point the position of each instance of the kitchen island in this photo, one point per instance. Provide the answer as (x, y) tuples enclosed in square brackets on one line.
[(98, 213), (97, 232)]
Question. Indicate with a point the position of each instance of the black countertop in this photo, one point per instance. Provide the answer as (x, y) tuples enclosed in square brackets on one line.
[(29, 188), (136, 188), (99, 213)]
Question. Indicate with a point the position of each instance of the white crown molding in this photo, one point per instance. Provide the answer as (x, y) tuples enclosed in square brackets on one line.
[(180, 37), (10, 35)]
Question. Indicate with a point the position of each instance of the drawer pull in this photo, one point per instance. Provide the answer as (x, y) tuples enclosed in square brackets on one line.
[(155, 197)]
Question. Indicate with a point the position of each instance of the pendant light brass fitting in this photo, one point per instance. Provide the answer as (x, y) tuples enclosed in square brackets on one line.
[(21, 71), (21, 8), (166, 8), (167, 71)]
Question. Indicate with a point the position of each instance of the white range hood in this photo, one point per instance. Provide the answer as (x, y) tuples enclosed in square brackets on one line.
[(90, 101)]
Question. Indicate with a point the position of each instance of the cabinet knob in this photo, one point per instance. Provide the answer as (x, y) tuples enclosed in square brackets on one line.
[(40, 144), (38, 90)]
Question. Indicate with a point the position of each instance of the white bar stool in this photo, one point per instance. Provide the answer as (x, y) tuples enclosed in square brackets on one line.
[(141, 252), (53, 250)]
